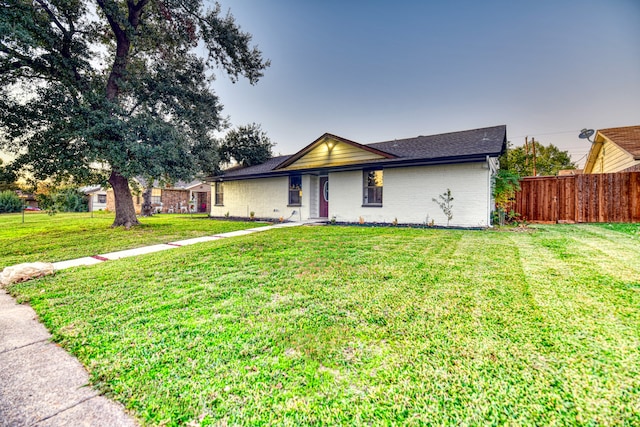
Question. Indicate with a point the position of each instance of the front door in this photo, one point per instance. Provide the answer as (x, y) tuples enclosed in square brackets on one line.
[(324, 197), (202, 202)]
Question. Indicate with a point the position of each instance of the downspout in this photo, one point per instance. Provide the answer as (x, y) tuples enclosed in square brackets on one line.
[(492, 171)]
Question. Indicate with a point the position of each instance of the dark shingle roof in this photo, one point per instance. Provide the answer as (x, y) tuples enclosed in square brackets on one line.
[(260, 169), (628, 138), (485, 141), (453, 147)]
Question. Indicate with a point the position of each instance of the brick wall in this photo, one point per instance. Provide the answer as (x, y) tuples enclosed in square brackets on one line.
[(267, 198), (408, 193), (171, 200), (407, 196)]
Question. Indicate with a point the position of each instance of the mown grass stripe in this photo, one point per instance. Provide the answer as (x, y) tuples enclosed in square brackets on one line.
[(354, 326)]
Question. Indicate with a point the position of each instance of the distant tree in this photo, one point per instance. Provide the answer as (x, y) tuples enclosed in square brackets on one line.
[(7, 178), (63, 199), (548, 160), (116, 83), (248, 145)]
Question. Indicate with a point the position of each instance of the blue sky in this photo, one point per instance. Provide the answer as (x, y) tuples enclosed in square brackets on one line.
[(372, 71)]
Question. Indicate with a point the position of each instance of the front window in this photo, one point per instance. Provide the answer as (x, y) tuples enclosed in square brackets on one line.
[(295, 190), (156, 196), (219, 193), (102, 198), (372, 188)]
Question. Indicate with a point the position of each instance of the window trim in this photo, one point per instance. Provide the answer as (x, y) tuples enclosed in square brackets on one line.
[(291, 191), (219, 193), (366, 188)]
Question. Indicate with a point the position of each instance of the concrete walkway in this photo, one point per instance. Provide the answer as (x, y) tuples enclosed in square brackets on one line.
[(112, 256), (40, 383), (43, 385)]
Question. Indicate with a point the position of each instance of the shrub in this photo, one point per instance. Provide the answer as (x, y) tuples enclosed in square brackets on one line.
[(10, 202), (65, 200), (72, 200), (505, 185), (445, 204)]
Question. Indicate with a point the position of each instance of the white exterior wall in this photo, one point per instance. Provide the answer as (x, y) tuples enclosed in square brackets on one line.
[(312, 191), (267, 197), (408, 194), (95, 203)]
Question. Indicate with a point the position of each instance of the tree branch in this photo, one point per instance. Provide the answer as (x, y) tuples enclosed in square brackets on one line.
[(52, 16), (108, 10)]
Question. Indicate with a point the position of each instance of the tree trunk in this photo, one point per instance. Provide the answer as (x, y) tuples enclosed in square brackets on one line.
[(125, 211), (147, 207)]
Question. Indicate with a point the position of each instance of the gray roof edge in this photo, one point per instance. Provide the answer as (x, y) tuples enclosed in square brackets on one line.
[(395, 163)]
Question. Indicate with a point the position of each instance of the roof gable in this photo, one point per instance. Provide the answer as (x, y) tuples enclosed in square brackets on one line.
[(331, 150), (627, 138)]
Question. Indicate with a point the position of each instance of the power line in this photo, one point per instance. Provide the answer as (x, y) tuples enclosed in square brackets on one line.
[(547, 133)]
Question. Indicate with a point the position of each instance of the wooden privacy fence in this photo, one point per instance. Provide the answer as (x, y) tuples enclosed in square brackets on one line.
[(610, 197)]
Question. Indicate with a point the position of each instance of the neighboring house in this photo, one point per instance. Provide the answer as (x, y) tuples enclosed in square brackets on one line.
[(614, 150), (29, 200), (182, 197), (97, 198), (200, 196), (334, 178), (570, 172)]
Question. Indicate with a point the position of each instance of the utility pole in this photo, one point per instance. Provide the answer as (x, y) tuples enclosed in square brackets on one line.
[(533, 143), (526, 150)]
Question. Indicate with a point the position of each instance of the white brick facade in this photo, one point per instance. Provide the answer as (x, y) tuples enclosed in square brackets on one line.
[(266, 197), (408, 193), (407, 196)]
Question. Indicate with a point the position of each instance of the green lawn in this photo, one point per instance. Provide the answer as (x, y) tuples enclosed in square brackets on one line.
[(632, 229), (363, 326), (66, 236)]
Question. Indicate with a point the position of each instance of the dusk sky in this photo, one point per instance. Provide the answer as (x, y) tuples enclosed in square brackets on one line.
[(373, 71)]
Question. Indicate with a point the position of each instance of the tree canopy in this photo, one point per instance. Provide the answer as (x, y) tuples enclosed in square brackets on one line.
[(548, 160), (7, 178), (247, 145), (116, 89)]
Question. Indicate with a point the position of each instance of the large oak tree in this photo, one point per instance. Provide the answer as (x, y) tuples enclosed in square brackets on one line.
[(116, 89)]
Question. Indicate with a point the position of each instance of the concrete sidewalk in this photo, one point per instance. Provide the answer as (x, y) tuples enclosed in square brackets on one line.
[(40, 383), (97, 259)]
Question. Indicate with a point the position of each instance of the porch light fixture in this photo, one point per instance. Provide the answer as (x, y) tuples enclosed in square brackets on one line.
[(330, 144)]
